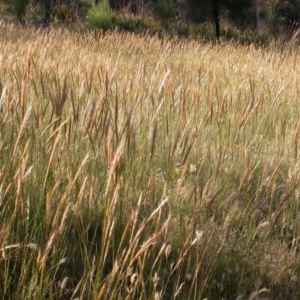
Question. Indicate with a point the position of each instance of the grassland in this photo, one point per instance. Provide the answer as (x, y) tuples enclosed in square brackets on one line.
[(138, 168)]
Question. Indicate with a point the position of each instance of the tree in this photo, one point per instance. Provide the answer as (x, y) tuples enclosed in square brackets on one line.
[(212, 10), (216, 16), (47, 12)]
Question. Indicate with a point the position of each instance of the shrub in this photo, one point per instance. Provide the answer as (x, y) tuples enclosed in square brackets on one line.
[(101, 17)]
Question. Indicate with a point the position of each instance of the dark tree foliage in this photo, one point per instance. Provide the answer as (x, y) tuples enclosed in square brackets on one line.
[(289, 12), (199, 11), (119, 4), (240, 12), (20, 8), (212, 10)]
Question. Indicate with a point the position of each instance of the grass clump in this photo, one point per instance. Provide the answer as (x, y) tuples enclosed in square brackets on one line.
[(101, 17)]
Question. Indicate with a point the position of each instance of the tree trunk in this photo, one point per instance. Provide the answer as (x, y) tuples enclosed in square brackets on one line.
[(216, 15), (258, 19), (47, 12)]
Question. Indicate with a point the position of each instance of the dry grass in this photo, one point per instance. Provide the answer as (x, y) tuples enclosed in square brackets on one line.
[(139, 168)]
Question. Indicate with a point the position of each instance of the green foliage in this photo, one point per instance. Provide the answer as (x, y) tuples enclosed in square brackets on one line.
[(131, 24), (245, 37), (274, 22), (100, 16), (20, 8), (84, 4), (164, 10), (64, 12)]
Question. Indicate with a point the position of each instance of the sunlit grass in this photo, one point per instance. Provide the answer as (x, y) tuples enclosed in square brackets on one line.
[(139, 168)]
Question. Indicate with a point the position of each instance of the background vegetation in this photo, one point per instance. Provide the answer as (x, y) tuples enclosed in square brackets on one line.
[(260, 21), (133, 167)]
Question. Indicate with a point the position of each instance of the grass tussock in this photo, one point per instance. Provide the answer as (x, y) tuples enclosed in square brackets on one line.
[(139, 168)]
